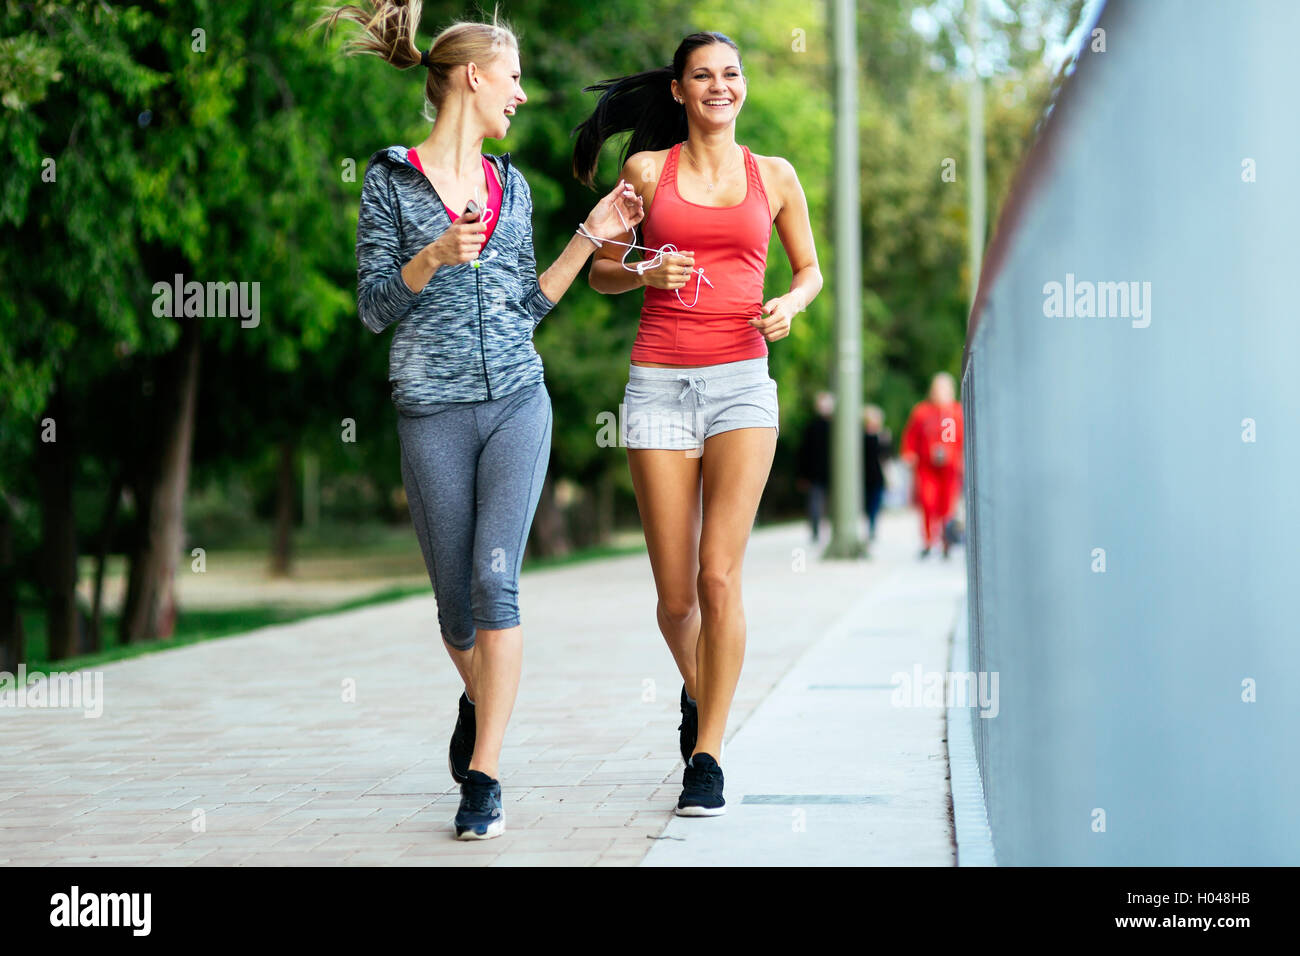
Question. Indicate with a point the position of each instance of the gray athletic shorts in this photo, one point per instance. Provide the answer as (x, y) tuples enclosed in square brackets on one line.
[(678, 408)]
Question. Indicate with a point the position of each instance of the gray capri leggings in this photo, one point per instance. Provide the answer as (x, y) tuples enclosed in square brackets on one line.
[(473, 474)]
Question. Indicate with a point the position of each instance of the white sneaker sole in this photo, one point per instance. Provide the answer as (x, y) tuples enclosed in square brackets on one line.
[(700, 811), (494, 829)]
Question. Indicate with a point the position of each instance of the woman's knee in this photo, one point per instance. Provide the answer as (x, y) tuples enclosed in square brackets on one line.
[(459, 640), (678, 609), (496, 602), (718, 586)]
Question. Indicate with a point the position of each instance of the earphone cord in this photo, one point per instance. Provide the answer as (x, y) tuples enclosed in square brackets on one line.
[(644, 265)]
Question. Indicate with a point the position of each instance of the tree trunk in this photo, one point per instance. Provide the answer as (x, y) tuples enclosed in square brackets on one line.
[(604, 507), (55, 464), (150, 608), (282, 543), (111, 510), (549, 537), (581, 517), (11, 622)]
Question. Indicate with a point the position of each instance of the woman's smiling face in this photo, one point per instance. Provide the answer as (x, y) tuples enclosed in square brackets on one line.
[(499, 94), (712, 87)]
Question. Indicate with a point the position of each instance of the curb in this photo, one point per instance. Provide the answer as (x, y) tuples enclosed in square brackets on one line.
[(970, 815)]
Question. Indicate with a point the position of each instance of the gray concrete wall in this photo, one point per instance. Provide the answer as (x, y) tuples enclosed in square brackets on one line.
[(1122, 691)]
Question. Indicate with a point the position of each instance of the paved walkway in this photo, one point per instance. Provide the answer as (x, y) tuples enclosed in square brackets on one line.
[(247, 751)]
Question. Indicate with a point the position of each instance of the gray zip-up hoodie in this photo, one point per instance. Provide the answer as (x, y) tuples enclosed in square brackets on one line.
[(467, 336)]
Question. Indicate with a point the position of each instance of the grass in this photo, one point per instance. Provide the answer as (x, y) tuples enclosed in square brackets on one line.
[(191, 627), (197, 625)]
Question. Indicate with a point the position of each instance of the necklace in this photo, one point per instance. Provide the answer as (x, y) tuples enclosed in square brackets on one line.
[(708, 186)]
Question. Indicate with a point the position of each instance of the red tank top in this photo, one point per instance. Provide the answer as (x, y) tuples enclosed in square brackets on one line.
[(730, 245), (493, 196)]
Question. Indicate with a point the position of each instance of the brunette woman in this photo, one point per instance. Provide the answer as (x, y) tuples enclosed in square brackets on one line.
[(700, 407)]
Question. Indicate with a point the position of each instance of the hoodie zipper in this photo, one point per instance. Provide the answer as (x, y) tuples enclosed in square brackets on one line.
[(478, 282), (482, 347)]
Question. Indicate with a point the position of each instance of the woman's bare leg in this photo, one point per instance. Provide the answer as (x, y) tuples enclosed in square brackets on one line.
[(667, 485), (498, 658), (464, 661), (735, 468)]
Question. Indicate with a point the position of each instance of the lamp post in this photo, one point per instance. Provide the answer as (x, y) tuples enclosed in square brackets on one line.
[(846, 427), (975, 194)]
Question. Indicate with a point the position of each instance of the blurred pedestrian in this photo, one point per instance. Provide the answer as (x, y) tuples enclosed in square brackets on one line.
[(876, 442), (813, 460), (932, 445)]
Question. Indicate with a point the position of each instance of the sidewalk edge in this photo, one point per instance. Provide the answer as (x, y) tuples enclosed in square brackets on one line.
[(970, 815)]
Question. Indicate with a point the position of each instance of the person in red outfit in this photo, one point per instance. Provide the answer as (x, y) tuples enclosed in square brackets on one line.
[(932, 445)]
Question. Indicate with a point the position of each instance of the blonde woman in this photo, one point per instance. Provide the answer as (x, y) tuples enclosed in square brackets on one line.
[(445, 257)]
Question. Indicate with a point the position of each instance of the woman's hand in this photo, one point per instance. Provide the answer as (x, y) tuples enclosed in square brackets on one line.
[(671, 273), (460, 243), (622, 201), (774, 323)]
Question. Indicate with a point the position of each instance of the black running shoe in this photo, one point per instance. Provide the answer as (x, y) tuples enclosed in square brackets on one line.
[(462, 741), (701, 789), (689, 727), (480, 816)]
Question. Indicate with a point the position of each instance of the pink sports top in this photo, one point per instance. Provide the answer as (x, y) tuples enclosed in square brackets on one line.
[(493, 198), (730, 245)]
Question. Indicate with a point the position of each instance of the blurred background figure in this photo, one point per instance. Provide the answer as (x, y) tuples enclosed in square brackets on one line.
[(932, 446), (814, 460), (876, 442)]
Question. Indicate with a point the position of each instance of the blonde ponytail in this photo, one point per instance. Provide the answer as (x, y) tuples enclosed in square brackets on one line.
[(388, 31)]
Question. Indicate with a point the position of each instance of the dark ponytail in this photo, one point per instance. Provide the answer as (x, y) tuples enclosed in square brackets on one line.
[(642, 103)]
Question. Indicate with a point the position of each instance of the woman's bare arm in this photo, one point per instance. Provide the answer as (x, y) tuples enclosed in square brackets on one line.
[(607, 274), (794, 228)]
